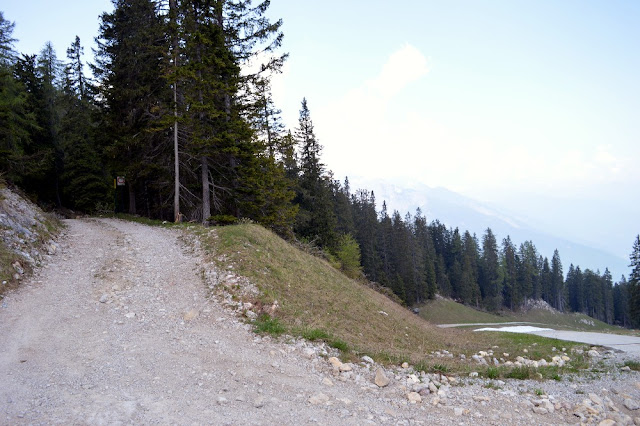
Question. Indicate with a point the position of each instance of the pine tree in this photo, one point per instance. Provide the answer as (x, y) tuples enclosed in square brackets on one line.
[(509, 273), (545, 281), (17, 119), (634, 284), (49, 69), (557, 282), (621, 303), (575, 289), (383, 246), (529, 280), (471, 290), (85, 186), (76, 81), (608, 296), (7, 52), (425, 242), (454, 259), (131, 48), (489, 272), (366, 223), (316, 219)]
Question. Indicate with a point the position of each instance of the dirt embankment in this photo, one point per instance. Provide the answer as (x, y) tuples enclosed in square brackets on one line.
[(26, 237)]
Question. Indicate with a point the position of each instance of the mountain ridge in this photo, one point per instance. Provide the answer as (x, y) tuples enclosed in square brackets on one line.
[(457, 210)]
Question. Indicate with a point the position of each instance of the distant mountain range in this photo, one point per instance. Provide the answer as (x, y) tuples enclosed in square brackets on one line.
[(455, 210)]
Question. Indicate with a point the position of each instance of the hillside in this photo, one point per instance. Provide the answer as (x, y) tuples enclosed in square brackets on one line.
[(26, 237), (314, 299), (446, 311)]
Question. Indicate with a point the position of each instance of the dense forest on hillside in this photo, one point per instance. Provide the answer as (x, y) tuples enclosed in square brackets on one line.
[(179, 104)]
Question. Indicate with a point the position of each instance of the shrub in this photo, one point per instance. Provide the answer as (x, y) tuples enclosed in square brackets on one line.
[(348, 254)]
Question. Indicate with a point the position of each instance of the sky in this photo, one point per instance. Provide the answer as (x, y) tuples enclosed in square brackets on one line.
[(531, 106)]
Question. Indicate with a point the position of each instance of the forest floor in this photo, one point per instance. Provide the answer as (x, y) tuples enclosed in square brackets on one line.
[(118, 327)]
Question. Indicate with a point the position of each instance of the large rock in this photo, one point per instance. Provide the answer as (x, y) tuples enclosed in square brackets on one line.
[(381, 379), (596, 399), (414, 397), (367, 359), (318, 398), (335, 362), (631, 404), (345, 367)]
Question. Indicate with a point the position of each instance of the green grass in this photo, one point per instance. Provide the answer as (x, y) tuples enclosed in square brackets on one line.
[(519, 373), (318, 302), (446, 311), (634, 365), (265, 324), (6, 270), (492, 373)]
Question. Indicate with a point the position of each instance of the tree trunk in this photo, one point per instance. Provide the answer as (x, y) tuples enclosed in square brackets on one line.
[(176, 196), (132, 199), (206, 194)]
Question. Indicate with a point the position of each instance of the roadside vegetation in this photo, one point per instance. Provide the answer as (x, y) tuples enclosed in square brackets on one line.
[(318, 302)]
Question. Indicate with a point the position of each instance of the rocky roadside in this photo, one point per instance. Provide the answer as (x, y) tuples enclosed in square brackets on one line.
[(119, 328), (26, 233)]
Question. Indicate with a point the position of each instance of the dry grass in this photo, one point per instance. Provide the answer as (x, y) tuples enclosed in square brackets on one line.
[(312, 295)]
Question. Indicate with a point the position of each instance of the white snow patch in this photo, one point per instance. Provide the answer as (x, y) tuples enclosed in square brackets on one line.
[(516, 329)]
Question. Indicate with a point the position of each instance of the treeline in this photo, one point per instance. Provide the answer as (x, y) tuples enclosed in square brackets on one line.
[(417, 259), (179, 104)]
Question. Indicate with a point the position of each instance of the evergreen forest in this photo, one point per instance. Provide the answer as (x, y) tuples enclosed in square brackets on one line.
[(177, 102)]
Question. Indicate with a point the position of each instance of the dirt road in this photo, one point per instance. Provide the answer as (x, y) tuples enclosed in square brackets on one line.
[(628, 344), (117, 328)]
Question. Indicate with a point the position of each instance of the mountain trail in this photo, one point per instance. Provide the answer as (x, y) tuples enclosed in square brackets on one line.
[(119, 327)]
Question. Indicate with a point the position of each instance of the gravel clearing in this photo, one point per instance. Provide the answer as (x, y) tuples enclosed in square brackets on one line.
[(119, 327)]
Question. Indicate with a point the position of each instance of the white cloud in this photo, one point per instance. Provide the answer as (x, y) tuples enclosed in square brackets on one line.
[(369, 132), (403, 67), (356, 129)]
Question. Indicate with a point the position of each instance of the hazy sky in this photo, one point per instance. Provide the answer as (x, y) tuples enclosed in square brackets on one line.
[(531, 104)]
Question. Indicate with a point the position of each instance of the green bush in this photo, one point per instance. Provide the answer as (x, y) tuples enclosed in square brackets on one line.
[(348, 254), (222, 220), (492, 373), (520, 373)]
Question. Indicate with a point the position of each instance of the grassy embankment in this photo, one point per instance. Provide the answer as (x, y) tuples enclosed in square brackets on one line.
[(316, 300), (446, 311)]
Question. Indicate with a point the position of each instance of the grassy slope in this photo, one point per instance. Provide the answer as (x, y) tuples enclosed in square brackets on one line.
[(313, 295), (446, 311)]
